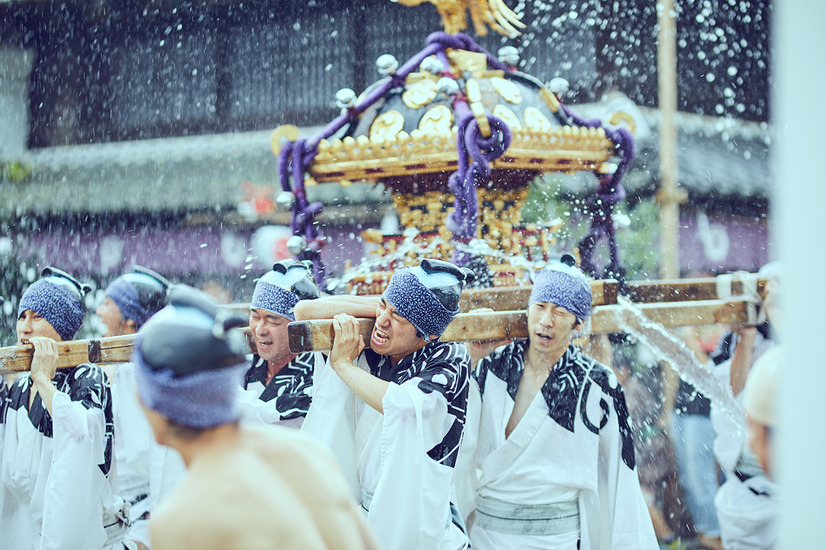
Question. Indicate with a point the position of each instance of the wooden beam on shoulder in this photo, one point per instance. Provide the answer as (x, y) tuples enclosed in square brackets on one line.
[(318, 335)]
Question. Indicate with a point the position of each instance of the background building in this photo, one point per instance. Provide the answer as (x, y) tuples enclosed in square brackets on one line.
[(139, 131)]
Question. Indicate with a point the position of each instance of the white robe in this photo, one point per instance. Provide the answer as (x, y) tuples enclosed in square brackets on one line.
[(400, 464), (746, 510), (286, 399), (573, 445), (133, 441), (146, 471), (54, 490)]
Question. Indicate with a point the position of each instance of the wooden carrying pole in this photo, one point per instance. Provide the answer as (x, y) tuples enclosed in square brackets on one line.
[(115, 349), (672, 303), (317, 335)]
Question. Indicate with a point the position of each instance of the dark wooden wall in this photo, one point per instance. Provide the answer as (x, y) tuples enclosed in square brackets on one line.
[(113, 70)]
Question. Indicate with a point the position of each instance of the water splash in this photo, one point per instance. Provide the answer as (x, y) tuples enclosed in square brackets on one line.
[(669, 348)]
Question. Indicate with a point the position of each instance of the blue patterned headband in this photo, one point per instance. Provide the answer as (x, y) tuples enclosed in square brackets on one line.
[(190, 361), (128, 301), (274, 299), (279, 290), (59, 305), (200, 400), (565, 286), (416, 303)]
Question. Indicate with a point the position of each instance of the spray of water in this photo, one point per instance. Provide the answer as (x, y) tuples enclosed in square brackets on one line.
[(668, 347)]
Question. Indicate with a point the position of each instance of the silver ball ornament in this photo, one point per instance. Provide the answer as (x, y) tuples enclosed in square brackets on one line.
[(296, 244), (509, 55), (345, 98), (447, 86), (386, 64), (285, 201), (559, 85), (431, 65)]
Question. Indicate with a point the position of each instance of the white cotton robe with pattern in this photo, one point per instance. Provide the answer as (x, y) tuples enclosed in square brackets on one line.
[(286, 399), (54, 489), (572, 444), (400, 464)]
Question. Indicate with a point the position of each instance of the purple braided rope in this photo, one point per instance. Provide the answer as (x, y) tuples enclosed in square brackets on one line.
[(464, 220), (609, 193)]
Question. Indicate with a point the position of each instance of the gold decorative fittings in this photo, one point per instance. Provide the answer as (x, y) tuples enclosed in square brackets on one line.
[(474, 95), (620, 116), (482, 13), (507, 116), (437, 120), (550, 99), (286, 131), (463, 61), (507, 89), (387, 124), (419, 94), (535, 120)]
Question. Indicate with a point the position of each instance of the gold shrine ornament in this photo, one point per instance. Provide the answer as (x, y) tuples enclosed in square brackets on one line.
[(387, 125), (507, 116), (482, 13), (535, 120), (507, 89), (420, 93), (437, 120)]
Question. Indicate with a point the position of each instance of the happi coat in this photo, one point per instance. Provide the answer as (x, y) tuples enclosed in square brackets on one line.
[(400, 463), (54, 490), (573, 447), (286, 399)]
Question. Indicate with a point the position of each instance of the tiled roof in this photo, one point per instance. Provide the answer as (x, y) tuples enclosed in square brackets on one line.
[(177, 174), (200, 173)]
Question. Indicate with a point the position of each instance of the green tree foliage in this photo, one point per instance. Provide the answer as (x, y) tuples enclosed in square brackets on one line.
[(637, 229)]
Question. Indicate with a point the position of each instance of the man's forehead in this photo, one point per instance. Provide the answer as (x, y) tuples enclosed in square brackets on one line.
[(393, 310), (552, 304), (266, 313)]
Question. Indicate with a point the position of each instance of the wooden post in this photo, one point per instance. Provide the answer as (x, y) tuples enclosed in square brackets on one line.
[(669, 196)]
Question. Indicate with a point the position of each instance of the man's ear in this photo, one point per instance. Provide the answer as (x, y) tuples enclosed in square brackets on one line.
[(433, 337), (130, 324)]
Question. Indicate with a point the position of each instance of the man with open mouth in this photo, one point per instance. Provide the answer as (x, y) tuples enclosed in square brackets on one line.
[(279, 383), (555, 455), (394, 414)]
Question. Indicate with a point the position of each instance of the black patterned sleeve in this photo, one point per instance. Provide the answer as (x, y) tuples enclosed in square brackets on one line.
[(446, 371), (296, 402), (89, 386)]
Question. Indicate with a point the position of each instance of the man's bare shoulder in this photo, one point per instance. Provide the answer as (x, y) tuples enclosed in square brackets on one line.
[(242, 507), (272, 488)]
